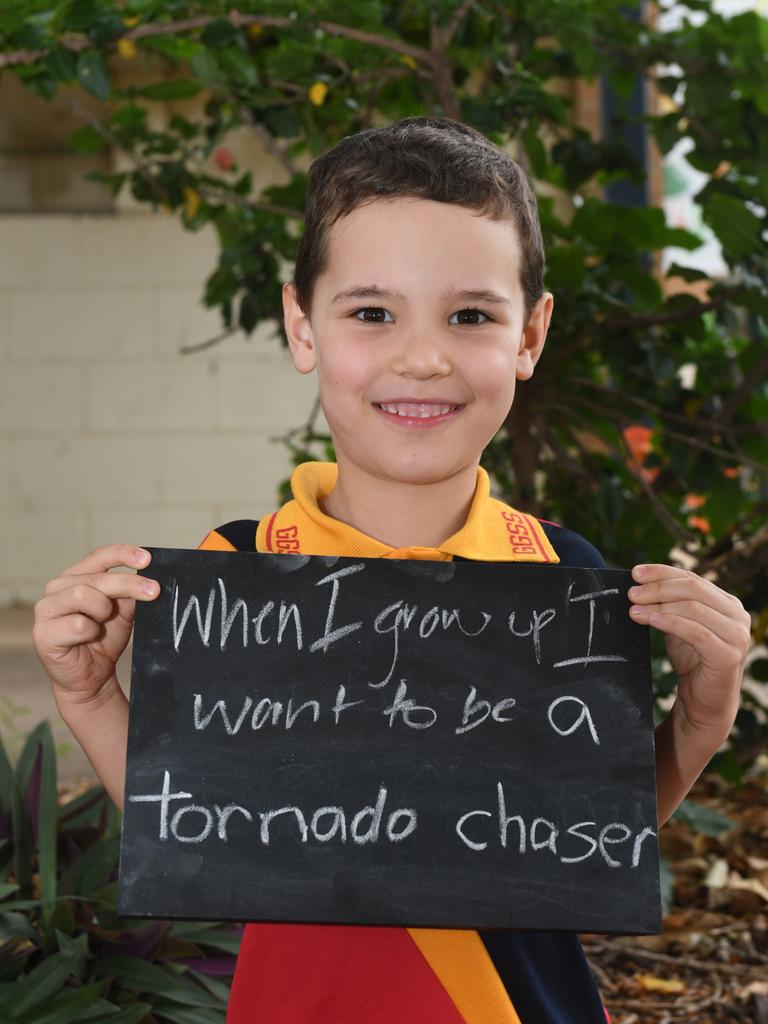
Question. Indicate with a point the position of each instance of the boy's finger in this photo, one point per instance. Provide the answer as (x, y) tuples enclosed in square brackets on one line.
[(71, 630), (709, 620), (713, 651), (113, 585), (110, 556), (683, 588), (81, 597)]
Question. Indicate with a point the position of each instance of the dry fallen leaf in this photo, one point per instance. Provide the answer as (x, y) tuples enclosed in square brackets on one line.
[(717, 876), (750, 884), (754, 988), (653, 984)]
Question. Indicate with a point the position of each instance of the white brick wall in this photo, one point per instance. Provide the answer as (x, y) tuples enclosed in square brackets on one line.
[(106, 432)]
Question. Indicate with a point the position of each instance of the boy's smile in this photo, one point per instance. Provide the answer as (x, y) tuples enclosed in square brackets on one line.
[(417, 331), (418, 412)]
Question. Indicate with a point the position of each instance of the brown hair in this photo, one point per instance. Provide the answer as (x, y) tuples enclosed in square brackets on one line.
[(434, 158)]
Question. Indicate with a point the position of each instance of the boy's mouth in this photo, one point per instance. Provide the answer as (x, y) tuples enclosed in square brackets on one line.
[(417, 413)]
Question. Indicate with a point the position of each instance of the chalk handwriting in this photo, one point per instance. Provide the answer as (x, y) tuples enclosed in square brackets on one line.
[(537, 623), (474, 708), (415, 716), (583, 716), (431, 619), (569, 844), (589, 658), (332, 635), (474, 831)]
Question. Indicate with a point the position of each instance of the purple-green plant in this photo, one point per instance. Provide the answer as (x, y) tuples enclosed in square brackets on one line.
[(65, 955)]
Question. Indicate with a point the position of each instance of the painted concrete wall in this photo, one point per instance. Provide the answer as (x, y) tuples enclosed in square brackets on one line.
[(107, 433)]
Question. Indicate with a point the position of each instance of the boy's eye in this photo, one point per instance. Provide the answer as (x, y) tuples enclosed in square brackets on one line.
[(378, 318), (473, 313), (371, 309)]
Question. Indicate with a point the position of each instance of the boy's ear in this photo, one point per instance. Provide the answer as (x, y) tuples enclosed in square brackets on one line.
[(534, 335), (301, 340)]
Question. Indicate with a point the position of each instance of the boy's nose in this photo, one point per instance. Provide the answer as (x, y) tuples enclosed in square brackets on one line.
[(422, 355)]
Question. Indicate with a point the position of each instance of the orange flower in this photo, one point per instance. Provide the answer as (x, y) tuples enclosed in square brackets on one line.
[(700, 523), (692, 501), (639, 440)]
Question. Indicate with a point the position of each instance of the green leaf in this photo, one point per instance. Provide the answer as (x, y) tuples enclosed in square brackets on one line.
[(239, 65), (92, 73), (62, 64), (65, 1008), (133, 1014), (566, 267), (219, 33), (15, 926), (735, 226), (87, 140), (249, 313), (41, 984), (6, 889), (92, 867), (131, 118), (178, 89), (47, 822), (175, 47), (206, 67), (536, 151), (7, 786), (189, 1015), (222, 939), (144, 977), (703, 819)]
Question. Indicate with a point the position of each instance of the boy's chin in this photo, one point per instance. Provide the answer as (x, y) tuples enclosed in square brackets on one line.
[(425, 471)]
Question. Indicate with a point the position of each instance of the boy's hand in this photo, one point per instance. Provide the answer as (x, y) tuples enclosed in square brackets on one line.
[(707, 635), (84, 621)]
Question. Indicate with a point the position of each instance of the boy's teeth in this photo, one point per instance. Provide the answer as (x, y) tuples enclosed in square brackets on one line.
[(421, 410)]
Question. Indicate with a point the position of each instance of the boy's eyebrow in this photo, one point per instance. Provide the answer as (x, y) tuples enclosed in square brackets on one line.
[(373, 291)]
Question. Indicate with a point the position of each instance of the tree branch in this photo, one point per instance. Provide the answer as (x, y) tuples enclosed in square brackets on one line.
[(201, 346), (442, 77), (630, 322), (754, 376), (77, 43), (456, 19)]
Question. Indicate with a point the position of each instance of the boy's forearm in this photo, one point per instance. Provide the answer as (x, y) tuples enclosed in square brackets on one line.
[(101, 728), (682, 753)]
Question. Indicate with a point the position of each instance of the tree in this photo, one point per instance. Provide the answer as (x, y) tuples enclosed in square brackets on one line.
[(646, 426)]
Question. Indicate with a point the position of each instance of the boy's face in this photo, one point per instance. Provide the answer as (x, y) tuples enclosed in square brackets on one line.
[(414, 384)]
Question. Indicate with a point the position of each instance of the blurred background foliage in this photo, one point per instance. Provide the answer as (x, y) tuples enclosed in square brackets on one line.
[(646, 426), (65, 955)]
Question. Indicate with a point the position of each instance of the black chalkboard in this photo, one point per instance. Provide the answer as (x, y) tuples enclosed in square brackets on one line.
[(435, 744)]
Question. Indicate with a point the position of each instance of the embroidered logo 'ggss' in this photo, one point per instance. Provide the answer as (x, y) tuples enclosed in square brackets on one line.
[(287, 538), (519, 534)]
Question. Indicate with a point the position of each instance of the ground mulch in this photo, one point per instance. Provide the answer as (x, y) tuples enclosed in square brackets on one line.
[(710, 963)]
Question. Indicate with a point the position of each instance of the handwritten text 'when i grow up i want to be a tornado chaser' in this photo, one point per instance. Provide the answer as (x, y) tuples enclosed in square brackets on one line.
[(281, 623)]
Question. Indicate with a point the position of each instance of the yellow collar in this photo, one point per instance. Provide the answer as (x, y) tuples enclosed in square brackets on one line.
[(493, 532)]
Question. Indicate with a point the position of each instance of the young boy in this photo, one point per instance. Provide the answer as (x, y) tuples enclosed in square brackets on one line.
[(418, 299)]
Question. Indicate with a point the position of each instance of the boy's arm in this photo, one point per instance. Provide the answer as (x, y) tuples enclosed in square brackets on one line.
[(707, 634), (82, 625), (100, 726)]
